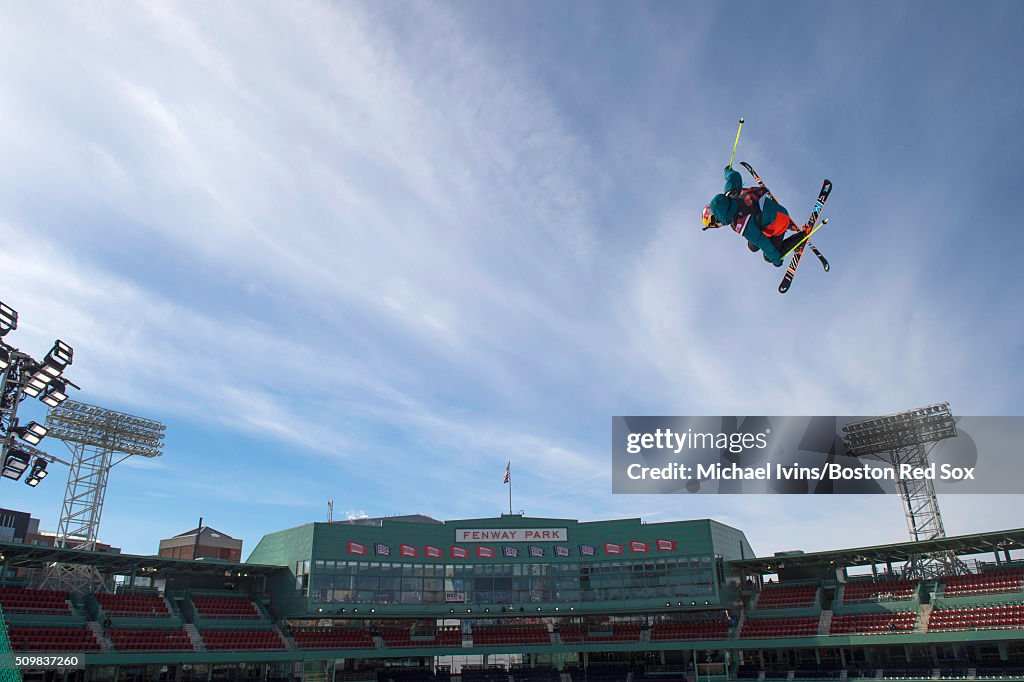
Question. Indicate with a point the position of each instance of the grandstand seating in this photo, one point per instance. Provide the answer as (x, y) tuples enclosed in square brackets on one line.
[(539, 674), (125, 639), (988, 582), (402, 674), (52, 639), (603, 672), (873, 623), (332, 638), (397, 638), (978, 617), (690, 629), (571, 634), (784, 597), (134, 606), (999, 670), (41, 602), (242, 639), (748, 671), (876, 591), (779, 627), (494, 635), (488, 674), (596, 634), (224, 608), (817, 672)]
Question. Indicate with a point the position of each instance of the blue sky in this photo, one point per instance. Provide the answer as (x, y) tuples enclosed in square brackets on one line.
[(372, 251)]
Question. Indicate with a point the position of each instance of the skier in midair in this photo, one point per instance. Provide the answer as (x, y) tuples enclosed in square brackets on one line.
[(753, 213)]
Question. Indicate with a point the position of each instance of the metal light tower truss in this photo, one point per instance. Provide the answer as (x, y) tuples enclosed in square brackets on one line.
[(907, 438), (95, 437)]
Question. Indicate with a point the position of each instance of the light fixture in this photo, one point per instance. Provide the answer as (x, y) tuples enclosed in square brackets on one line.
[(35, 386), (38, 472), (5, 357), (31, 433), (8, 318), (60, 355), (15, 463)]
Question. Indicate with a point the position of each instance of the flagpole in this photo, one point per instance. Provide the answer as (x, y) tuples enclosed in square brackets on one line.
[(510, 488)]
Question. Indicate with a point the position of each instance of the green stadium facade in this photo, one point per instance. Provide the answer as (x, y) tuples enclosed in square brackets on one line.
[(523, 599)]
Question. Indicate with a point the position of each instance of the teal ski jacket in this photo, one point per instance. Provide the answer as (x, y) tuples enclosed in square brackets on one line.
[(728, 208)]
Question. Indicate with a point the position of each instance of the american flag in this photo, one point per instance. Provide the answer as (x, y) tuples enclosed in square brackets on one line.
[(562, 550), (508, 472), (588, 550), (382, 549), (536, 551)]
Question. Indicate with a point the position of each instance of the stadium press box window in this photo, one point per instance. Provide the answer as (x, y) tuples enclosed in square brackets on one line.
[(408, 583)]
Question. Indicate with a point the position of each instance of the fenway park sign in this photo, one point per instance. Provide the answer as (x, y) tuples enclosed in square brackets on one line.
[(511, 535)]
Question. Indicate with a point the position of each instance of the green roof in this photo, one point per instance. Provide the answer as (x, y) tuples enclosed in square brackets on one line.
[(17, 555), (960, 545)]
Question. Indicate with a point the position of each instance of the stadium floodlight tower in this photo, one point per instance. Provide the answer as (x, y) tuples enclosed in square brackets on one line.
[(21, 377), (95, 436), (907, 438)]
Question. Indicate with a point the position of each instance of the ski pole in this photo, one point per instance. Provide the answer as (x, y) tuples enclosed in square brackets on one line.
[(736, 143), (806, 237)]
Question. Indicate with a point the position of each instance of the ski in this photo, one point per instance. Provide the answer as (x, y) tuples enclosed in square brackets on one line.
[(757, 178), (810, 227)]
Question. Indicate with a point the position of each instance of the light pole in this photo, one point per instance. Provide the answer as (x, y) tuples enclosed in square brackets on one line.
[(22, 376), (906, 438)]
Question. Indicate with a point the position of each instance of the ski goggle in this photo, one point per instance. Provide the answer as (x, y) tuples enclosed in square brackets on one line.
[(708, 218)]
